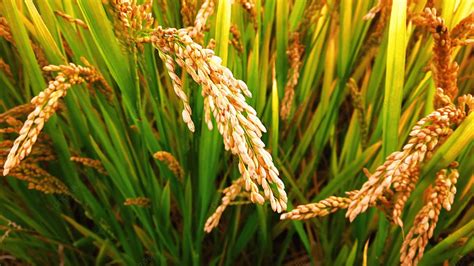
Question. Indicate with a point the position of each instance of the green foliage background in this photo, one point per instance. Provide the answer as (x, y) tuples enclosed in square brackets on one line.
[(318, 151)]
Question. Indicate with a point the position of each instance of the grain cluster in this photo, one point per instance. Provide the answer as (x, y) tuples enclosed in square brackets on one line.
[(392, 183)]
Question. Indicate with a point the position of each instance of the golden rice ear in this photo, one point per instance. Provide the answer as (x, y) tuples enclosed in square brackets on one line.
[(171, 162), (441, 196), (444, 67), (230, 193), (463, 29), (89, 162), (17, 112), (250, 8), (295, 54), (71, 19), (46, 104), (426, 136), (235, 41), (321, 208), (403, 186), (196, 32), (39, 179), (5, 68), (236, 121), (188, 8), (5, 30), (131, 20)]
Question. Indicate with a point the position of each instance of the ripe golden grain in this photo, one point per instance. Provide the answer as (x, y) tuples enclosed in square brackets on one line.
[(171, 162), (46, 104), (230, 193), (321, 208), (131, 20), (442, 196), (72, 19), (428, 134), (392, 183), (89, 162), (197, 31), (187, 12), (236, 120), (295, 53)]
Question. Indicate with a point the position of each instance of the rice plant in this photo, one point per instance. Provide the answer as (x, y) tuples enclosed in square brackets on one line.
[(244, 132)]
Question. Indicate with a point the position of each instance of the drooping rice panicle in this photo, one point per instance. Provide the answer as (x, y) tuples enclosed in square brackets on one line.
[(230, 193), (321, 208), (46, 104), (236, 120), (132, 19), (89, 162), (187, 12), (429, 133), (196, 32), (441, 196), (295, 53), (171, 162)]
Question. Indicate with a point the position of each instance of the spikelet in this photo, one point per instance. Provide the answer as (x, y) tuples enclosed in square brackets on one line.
[(140, 202), (5, 68), (321, 208), (43, 150), (466, 101), (5, 31), (207, 113), (197, 31), (403, 185), (89, 162), (46, 104), (444, 68), (235, 41), (249, 7), (39, 179), (230, 193), (72, 19), (236, 121), (178, 90), (187, 12), (442, 196), (464, 29), (132, 19), (428, 134), (170, 161), (295, 53), (392, 183), (211, 45), (17, 111), (378, 8), (14, 125)]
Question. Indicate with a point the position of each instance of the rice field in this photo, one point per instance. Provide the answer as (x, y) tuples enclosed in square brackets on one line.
[(236, 132)]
